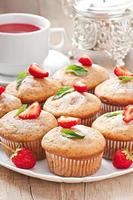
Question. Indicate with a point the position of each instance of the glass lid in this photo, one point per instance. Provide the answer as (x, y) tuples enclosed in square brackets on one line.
[(104, 7)]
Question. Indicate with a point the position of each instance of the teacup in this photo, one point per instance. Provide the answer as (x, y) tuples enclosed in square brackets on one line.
[(18, 49)]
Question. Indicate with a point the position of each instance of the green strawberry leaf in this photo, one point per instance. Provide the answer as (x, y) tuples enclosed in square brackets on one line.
[(113, 114), (20, 78), (64, 90), (77, 70), (125, 79), (21, 109), (71, 134)]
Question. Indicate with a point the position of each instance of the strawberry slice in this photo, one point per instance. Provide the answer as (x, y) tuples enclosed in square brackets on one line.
[(32, 112), (122, 71), (2, 89), (68, 122), (85, 61), (80, 87), (128, 114), (36, 71)]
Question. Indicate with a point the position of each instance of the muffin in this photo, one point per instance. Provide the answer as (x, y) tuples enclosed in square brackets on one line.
[(74, 156), (26, 131), (68, 102), (88, 73), (30, 88), (117, 132), (116, 93), (8, 103)]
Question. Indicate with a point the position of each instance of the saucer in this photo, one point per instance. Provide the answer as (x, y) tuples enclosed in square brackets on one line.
[(54, 61)]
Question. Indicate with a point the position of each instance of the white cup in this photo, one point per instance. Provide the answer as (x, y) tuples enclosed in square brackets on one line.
[(18, 50)]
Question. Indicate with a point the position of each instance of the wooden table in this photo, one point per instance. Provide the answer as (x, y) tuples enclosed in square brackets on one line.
[(14, 186)]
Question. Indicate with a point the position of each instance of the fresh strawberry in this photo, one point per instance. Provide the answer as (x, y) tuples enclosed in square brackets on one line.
[(85, 61), (2, 89), (122, 71), (23, 158), (36, 71), (128, 114), (123, 159), (80, 87), (32, 112), (68, 122)]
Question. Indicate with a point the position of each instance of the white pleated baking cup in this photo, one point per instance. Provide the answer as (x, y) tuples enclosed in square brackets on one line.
[(34, 146), (88, 121), (71, 167), (113, 145), (110, 108), (91, 91)]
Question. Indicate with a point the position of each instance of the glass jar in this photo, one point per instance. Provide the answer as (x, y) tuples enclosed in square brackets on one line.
[(107, 26)]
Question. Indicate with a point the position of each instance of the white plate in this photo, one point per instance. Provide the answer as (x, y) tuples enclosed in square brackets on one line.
[(41, 171)]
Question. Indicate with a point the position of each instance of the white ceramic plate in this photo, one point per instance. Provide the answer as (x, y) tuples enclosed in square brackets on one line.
[(41, 171)]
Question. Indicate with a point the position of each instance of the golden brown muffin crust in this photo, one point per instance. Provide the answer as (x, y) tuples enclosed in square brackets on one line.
[(16, 129), (92, 144), (7, 103), (34, 89), (115, 92), (74, 104), (114, 128), (96, 75)]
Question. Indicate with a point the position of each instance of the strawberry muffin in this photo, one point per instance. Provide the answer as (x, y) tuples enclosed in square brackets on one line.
[(69, 101), (84, 71), (116, 93), (117, 128), (33, 85), (75, 151), (26, 127), (7, 102)]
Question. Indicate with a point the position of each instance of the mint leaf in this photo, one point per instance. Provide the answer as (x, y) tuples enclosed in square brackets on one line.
[(20, 78), (64, 90), (71, 134), (125, 79), (113, 114), (21, 109), (77, 70)]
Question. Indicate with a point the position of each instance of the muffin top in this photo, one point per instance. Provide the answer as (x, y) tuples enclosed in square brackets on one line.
[(93, 143), (113, 127), (73, 104), (94, 76), (115, 91), (16, 129), (34, 89), (7, 103)]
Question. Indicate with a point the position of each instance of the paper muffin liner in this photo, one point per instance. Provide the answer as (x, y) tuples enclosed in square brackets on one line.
[(92, 91), (112, 146), (71, 167), (110, 108), (34, 146), (88, 121)]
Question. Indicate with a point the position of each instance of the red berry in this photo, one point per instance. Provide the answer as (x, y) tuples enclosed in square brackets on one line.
[(36, 71), (2, 89), (122, 159), (68, 122), (80, 87), (32, 112), (85, 61), (128, 114), (23, 158), (122, 71)]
